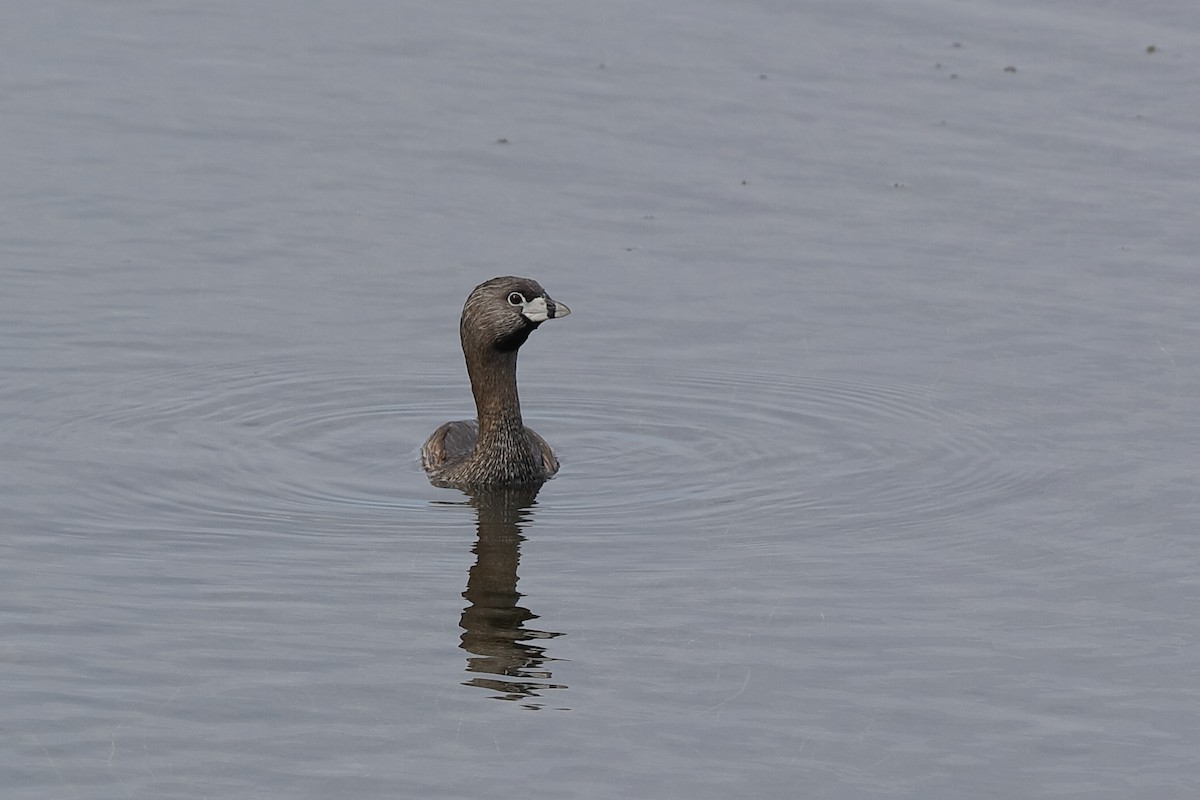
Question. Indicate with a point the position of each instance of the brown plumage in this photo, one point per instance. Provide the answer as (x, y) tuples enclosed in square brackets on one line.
[(495, 449)]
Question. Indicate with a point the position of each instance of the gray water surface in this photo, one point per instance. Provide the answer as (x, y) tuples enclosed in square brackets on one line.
[(877, 408)]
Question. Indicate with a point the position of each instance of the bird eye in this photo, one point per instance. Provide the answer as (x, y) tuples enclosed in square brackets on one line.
[(516, 299)]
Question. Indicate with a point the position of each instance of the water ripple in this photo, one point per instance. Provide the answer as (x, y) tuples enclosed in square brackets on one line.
[(258, 442), (712, 448)]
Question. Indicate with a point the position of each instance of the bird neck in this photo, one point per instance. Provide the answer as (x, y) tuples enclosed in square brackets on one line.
[(494, 384)]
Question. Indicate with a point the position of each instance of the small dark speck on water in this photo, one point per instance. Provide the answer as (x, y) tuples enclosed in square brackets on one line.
[(762, 76), (1151, 49), (1010, 69), (956, 44), (953, 75), (744, 183), (502, 140)]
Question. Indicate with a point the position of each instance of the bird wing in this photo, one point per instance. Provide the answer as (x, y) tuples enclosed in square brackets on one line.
[(449, 443), (549, 462)]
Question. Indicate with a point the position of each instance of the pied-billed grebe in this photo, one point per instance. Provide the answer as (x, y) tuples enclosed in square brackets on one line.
[(496, 449)]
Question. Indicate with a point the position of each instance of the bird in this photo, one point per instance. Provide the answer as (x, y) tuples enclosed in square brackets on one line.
[(495, 449)]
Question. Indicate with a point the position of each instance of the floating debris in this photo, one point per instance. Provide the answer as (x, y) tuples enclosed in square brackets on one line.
[(1151, 49), (1010, 69)]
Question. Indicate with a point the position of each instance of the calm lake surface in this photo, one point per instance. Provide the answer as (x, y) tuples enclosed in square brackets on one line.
[(877, 409)]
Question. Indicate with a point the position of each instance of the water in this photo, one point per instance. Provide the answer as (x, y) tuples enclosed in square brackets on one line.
[(876, 409)]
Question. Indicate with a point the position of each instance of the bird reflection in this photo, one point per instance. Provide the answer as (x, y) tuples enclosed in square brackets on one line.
[(505, 653)]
